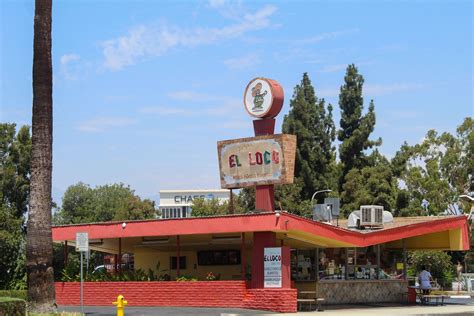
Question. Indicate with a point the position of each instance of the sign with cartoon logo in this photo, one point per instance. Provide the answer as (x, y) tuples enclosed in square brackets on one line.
[(263, 98)]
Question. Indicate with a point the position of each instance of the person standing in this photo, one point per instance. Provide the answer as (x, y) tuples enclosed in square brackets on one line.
[(425, 279)]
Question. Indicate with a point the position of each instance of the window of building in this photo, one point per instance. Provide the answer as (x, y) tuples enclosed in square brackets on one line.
[(303, 264), (218, 257), (332, 263), (174, 264)]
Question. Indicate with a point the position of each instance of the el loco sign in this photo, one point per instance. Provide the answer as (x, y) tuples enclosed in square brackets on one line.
[(260, 160)]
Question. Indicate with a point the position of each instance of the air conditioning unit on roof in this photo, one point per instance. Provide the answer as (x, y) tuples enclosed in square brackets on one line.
[(371, 216)]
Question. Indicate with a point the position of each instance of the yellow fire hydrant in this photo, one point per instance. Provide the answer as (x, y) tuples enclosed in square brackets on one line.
[(121, 303)]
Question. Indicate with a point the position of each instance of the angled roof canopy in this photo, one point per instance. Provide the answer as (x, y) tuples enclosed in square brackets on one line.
[(444, 233)]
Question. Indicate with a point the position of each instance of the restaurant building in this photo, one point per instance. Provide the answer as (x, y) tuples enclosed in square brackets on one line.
[(264, 258), (340, 264)]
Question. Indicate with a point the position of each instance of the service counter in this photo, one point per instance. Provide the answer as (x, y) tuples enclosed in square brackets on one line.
[(356, 291)]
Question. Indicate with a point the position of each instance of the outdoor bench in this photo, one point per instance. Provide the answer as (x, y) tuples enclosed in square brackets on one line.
[(426, 299), (310, 301)]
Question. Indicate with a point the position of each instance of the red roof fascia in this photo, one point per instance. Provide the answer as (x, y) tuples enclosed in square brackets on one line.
[(258, 222), (364, 239), (466, 242), (170, 227)]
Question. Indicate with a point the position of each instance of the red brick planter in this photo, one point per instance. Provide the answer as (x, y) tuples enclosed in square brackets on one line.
[(172, 293)]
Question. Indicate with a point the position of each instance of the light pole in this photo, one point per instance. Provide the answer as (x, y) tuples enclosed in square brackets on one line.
[(317, 192)]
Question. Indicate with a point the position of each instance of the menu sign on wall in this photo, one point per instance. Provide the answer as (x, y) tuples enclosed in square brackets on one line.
[(261, 160), (272, 267)]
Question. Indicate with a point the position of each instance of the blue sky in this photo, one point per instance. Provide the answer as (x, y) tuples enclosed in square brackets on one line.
[(143, 90)]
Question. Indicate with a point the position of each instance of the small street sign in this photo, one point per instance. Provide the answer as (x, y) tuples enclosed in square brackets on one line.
[(82, 242)]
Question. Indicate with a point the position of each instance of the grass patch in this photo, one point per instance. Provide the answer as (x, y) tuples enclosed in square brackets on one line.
[(55, 314), (14, 293)]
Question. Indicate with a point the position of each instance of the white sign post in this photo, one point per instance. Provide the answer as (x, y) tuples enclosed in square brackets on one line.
[(82, 245), (272, 267)]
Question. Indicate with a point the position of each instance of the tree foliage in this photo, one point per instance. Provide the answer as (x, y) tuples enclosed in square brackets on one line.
[(15, 155), (311, 121), (202, 207), (371, 185), (438, 263), (288, 198), (355, 127), (212, 207), (437, 170), (83, 204)]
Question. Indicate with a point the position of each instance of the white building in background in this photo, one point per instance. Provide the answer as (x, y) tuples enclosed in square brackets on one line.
[(178, 203)]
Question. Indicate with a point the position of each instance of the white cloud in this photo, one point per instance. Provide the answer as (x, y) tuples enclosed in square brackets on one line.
[(333, 68), (325, 36), (67, 58), (102, 124), (69, 66), (187, 95), (371, 90), (146, 41), (224, 106), (164, 110), (340, 67), (384, 89), (217, 3), (244, 62)]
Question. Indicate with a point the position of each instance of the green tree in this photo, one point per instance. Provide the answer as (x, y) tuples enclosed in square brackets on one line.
[(355, 127), (39, 246), (438, 170), (211, 207), (437, 262), (288, 198), (202, 207), (371, 185), (311, 121), (15, 155), (83, 204)]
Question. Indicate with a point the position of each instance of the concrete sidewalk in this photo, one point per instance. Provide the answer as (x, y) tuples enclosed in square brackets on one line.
[(396, 311), (463, 307)]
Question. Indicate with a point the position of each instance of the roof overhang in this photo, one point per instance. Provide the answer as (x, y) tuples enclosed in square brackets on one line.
[(447, 233)]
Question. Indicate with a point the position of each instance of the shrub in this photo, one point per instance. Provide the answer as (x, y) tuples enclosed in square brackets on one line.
[(12, 306), (186, 278), (438, 263)]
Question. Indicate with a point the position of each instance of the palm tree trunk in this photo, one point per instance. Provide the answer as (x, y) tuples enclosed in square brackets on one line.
[(41, 292)]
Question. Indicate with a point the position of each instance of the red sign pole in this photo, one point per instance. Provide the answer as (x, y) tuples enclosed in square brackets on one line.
[(264, 194)]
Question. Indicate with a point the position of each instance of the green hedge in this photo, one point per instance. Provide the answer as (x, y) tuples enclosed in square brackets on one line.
[(14, 293), (12, 306)]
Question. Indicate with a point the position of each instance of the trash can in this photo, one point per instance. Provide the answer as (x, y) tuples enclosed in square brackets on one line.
[(411, 295)]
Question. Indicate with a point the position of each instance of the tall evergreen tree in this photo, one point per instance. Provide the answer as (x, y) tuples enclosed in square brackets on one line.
[(312, 123), (355, 127), (371, 185)]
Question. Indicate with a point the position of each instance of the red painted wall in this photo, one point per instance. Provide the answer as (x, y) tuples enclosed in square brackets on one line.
[(171, 293), (277, 300), (260, 241)]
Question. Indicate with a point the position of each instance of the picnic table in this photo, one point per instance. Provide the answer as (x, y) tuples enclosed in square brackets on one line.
[(428, 298), (309, 297)]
